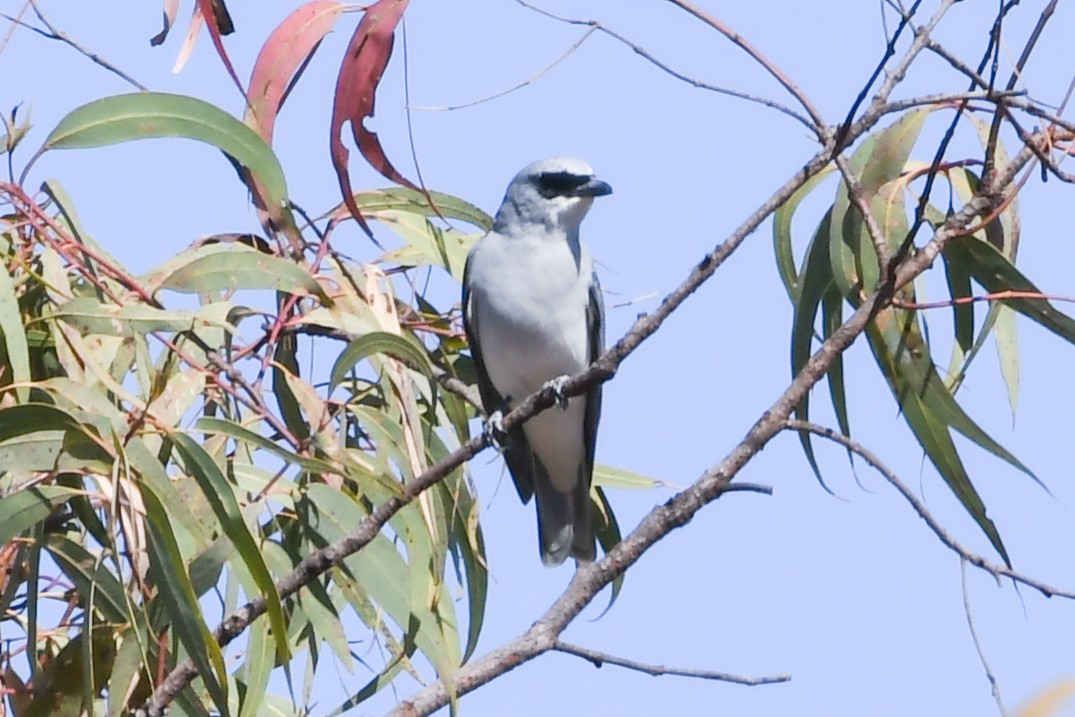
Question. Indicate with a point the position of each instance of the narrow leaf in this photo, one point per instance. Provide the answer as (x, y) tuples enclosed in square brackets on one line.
[(356, 87), (221, 497), (238, 267), (26, 508), (17, 349), (283, 58), (143, 115), (380, 342)]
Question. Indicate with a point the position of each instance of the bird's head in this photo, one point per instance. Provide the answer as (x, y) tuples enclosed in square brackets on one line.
[(553, 192)]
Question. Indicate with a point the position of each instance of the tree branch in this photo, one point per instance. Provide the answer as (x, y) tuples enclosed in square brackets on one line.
[(599, 659), (997, 571)]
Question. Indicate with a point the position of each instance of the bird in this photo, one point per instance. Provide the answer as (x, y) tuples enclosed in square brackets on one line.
[(534, 315)]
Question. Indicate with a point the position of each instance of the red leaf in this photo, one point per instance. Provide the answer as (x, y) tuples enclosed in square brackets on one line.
[(282, 60), (219, 23), (361, 70)]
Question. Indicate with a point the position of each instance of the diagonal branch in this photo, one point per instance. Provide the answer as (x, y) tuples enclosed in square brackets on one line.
[(997, 571), (591, 578), (594, 25), (820, 127)]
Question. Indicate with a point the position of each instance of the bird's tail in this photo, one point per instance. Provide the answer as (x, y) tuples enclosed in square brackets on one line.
[(565, 523)]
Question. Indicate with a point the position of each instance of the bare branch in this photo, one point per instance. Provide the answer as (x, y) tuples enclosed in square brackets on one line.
[(518, 86), (590, 579), (645, 54), (680, 509), (993, 684), (56, 34), (819, 125), (600, 659), (997, 571)]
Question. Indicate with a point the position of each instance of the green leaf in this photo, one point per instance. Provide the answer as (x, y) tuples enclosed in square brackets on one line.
[(403, 348), (933, 436), (608, 535), (234, 266), (89, 576), (997, 275), (91, 317), (831, 319), (26, 508), (1008, 353), (18, 352), (255, 673), (782, 244), (427, 243), (245, 435), (606, 476), (181, 602), (378, 569), (814, 283), (221, 497), (879, 160), (408, 200), (142, 115)]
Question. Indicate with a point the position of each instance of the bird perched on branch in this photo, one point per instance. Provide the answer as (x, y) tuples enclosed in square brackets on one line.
[(534, 315)]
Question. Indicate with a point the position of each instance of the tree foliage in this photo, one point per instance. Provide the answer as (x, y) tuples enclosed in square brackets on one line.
[(165, 469)]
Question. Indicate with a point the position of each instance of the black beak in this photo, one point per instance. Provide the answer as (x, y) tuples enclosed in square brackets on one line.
[(594, 188)]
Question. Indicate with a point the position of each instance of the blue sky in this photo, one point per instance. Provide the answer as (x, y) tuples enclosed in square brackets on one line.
[(851, 595)]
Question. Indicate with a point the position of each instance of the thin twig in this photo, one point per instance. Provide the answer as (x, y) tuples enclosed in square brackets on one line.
[(57, 34), (599, 659), (997, 571), (645, 54), (995, 296), (820, 127), (518, 86), (993, 684)]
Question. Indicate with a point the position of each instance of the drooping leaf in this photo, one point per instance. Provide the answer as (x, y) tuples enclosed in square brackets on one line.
[(356, 87), (27, 507), (282, 59), (782, 244), (144, 115), (17, 350), (221, 497), (1008, 353), (218, 22), (608, 535), (181, 602), (380, 342), (237, 267), (815, 281), (404, 199), (997, 275)]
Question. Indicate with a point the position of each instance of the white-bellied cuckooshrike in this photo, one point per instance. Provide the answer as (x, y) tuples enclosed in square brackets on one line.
[(533, 312)]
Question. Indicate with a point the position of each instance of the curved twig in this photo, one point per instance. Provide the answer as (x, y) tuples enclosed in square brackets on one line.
[(997, 571)]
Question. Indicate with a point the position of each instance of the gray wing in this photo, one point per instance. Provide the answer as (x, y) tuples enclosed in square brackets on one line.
[(517, 452), (583, 544), (595, 320)]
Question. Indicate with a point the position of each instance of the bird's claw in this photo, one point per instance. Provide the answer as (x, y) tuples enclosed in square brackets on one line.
[(494, 426), (557, 386)]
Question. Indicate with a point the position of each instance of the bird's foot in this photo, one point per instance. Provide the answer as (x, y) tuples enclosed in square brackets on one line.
[(494, 426), (557, 386)]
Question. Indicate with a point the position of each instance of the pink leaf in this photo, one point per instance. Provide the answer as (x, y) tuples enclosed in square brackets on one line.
[(282, 60), (219, 23), (361, 70)]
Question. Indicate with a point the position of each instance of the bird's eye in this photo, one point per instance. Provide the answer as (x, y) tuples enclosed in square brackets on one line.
[(560, 184)]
